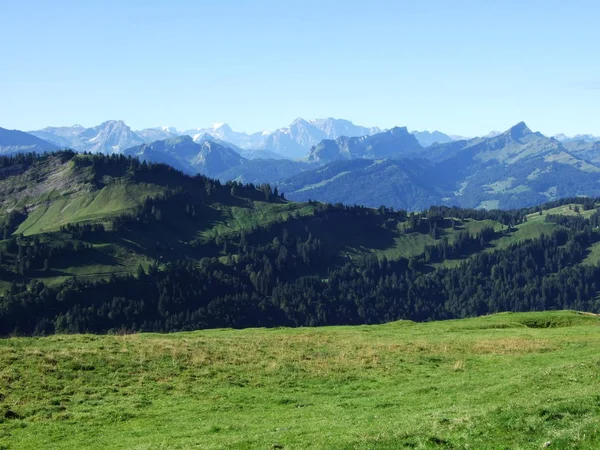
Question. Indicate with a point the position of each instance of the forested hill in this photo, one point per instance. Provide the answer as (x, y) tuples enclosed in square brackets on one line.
[(95, 243)]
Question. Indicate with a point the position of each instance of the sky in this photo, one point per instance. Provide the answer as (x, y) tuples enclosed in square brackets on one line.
[(462, 67)]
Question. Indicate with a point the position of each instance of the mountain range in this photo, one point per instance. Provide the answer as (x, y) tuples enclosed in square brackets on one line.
[(206, 155), (15, 141), (112, 136), (292, 142), (393, 167), (578, 137), (393, 143), (515, 168)]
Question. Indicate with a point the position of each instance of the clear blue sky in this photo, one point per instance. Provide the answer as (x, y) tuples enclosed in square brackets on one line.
[(463, 67)]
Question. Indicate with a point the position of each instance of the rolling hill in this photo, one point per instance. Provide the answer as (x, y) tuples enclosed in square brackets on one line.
[(101, 243)]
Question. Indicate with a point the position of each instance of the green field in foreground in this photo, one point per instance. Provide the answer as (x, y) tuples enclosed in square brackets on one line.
[(521, 380)]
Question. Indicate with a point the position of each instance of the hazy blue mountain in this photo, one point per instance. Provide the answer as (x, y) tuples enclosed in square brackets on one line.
[(291, 142), (223, 132), (62, 137), (155, 152), (399, 183), (260, 154), (579, 137), (246, 153), (157, 133), (178, 152), (492, 134), (394, 143), (265, 171), (296, 140), (334, 128), (426, 138), (456, 137), (112, 136), (515, 168), (214, 158), (589, 151), (208, 157), (14, 141)]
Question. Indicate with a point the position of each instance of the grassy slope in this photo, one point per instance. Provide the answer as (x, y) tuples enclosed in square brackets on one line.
[(67, 194), (414, 243), (492, 382), (95, 206), (235, 218)]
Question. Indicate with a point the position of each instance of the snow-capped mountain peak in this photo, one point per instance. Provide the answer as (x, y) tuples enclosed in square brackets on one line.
[(112, 136)]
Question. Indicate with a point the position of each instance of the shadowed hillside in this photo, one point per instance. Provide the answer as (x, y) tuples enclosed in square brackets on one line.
[(100, 243)]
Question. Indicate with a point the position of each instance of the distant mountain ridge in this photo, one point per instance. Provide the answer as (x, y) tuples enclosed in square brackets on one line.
[(427, 138), (510, 169), (577, 138), (207, 157), (15, 141), (292, 142), (394, 143), (110, 137)]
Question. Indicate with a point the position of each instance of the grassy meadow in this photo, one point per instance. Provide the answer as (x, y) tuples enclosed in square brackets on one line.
[(514, 380)]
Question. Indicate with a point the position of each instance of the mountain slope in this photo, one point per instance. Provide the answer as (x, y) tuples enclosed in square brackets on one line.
[(398, 183), (214, 158), (394, 143), (223, 132), (427, 138), (208, 156), (586, 150), (579, 137), (515, 168), (512, 169), (259, 171), (14, 141), (63, 137), (177, 152), (112, 136), (289, 142), (295, 140), (97, 243), (157, 134)]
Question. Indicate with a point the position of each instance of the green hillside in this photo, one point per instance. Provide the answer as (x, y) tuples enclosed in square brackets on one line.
[(105, 243), (504, 381), (52, 192)]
